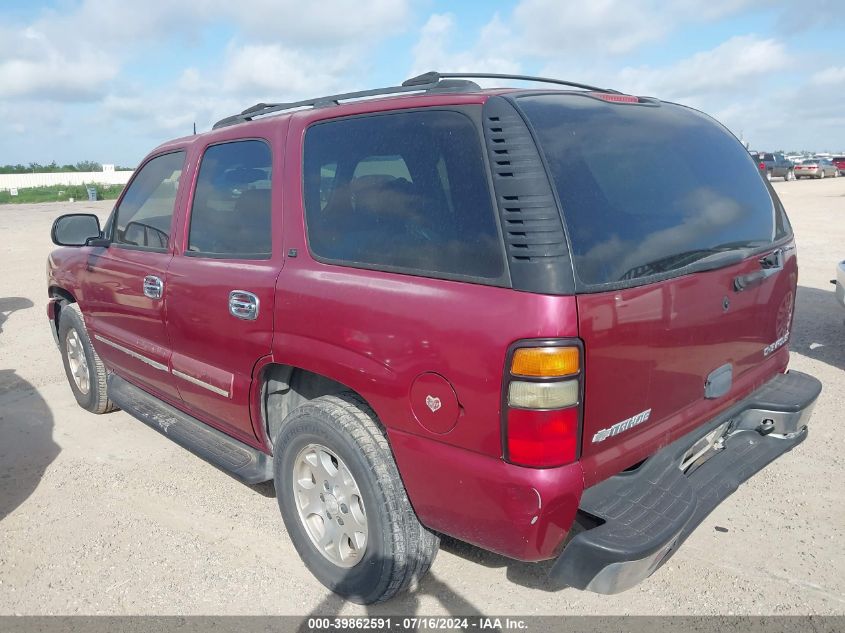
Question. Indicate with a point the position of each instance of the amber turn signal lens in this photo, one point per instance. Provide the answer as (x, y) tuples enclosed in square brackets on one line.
[(545, 361)]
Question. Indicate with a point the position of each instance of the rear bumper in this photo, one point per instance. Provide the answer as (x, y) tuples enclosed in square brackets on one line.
[(649, 512)]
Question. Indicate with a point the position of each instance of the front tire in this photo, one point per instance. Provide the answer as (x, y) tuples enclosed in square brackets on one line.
[(769, 175), (85, 372), (344, 504)]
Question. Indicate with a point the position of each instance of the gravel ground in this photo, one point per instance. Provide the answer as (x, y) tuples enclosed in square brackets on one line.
[(101, 515)]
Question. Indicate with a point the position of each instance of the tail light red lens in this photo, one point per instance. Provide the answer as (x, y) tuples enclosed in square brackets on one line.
[(541, 402), (542, 439), (762, 165)]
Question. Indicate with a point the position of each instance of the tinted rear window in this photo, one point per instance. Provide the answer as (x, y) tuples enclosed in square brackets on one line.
[(646, 190), (404, 192)]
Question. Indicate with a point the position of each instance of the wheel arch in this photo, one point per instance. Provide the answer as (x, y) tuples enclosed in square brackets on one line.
[(59, 297), (285, 388)]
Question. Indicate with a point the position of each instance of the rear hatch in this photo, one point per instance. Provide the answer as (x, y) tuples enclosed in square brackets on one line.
[(685, 271)]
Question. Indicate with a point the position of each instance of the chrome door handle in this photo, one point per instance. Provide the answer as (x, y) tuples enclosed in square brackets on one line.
[(243, 305), (153, 287)]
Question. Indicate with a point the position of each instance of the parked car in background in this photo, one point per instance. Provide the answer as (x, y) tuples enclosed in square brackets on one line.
[(839, 282), (839, 161), (775, 165), (816, 168)]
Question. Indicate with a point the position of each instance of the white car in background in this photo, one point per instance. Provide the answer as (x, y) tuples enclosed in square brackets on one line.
[(839, 282)]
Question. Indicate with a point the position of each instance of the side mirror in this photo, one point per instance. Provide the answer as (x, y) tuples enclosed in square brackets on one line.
[(76, 229)]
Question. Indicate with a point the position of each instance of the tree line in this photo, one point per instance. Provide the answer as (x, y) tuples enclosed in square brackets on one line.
[(54, 167)]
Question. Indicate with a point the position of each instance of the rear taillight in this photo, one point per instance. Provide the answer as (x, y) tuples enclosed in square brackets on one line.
[(762, 165), (541, 402)]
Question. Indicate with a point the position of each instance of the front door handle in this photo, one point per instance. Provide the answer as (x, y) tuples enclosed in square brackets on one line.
[(153, 287), (243, 305)]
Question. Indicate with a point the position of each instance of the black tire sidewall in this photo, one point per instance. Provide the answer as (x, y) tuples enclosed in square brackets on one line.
[(70, 320), (368, 579)]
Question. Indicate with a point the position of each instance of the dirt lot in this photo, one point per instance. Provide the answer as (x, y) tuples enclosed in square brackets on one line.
[(101, 515)]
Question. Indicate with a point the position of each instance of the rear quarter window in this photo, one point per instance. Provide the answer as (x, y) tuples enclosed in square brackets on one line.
[(404, 192)]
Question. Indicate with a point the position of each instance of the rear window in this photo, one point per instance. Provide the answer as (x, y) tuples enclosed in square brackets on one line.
[(647, 189), (404, 192)]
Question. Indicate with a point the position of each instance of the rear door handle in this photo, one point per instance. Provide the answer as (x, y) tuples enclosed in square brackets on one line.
[(153, 287), (770, 265), (243, 305)]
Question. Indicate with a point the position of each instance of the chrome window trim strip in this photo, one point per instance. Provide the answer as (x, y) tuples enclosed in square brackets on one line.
[(133, 354), (199, 383)]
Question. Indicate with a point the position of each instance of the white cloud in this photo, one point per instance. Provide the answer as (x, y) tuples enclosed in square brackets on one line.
[(740, 63), (33, 64), (72, 55), (274, 71), (439, 48), (548, 28), (831, 76)]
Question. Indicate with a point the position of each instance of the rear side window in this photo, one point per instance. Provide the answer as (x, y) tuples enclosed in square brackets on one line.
[(145, 213), (403, 192), (231, 211), (647, 190)]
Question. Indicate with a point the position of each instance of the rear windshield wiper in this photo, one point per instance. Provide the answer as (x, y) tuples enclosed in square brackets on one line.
[(721, 259), (692, 261)]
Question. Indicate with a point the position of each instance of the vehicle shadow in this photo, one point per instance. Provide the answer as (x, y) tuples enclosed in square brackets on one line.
[(26, 440), (405, 604), (531, 575), (12, 304), (818, 330), (26, 428)]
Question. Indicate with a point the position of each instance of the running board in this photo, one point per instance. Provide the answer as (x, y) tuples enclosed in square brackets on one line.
[(243, 462)]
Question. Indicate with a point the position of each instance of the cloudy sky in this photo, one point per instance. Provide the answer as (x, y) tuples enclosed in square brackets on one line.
[(107, 80)]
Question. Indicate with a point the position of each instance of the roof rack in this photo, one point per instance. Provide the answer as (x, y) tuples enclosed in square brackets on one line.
[(429, 81), (435, 76)]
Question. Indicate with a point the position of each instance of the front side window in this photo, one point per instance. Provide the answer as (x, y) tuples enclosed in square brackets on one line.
[(146, 211), (402, 192), (231, 211)]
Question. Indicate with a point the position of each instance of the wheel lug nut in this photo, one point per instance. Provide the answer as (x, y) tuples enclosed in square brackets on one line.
[(344, 508), (326, 485), (339, 521)]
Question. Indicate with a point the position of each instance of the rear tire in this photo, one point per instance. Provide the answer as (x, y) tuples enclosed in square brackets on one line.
[(769, 175), (365, 558), (821, 175), (85, 372), (790, 175)]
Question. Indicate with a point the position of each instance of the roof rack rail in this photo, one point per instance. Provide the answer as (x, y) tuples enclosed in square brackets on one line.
[(434, 76), (425, 82), (260, 109)]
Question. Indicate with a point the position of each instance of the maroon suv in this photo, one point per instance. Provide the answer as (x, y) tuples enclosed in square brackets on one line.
[(526, 319)]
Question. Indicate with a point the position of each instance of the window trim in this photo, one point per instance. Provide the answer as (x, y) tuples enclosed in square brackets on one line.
[(189, 212), (473, 113), (112, 221)]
